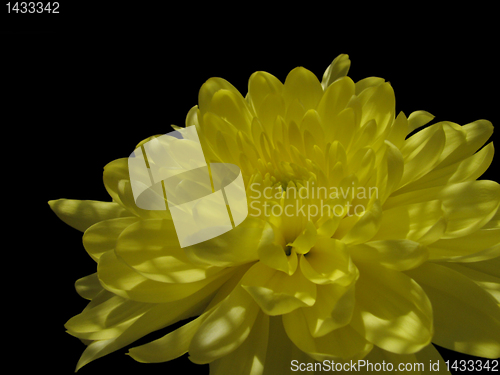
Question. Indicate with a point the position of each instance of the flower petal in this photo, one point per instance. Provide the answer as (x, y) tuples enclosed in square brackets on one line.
[(281, 351), (480, 245), (485, 274), (170, 346), (398, 131), (463, 141), (82, 214), (225, 329), (392, 311), (398, 255), (421, 152), (106, 317), (447, 171), (475, 327), (151, 248), (117, 277), (274, 256), (209, 89), (365, 226), (277, 292), (102, 236), (418, 119), (89, 286), (391, 172), (260, 86), (327, 262), (332, 103), (420, 222), (222, 251), (158, 316), (249, 357), (378, 103), (333, 309), (469, 169), (368, 82), (467, 205), (337, 69), (117, 183), (340, 345), (232, 107), (304, 241), (303, 85)]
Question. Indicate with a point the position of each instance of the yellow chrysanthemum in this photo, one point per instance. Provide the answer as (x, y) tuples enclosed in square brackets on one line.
[(364, 239)]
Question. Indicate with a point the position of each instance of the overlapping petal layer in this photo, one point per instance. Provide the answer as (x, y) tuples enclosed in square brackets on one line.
[(368, 236)]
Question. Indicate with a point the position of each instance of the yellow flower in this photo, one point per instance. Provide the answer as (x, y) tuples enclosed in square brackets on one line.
[(365, 239)]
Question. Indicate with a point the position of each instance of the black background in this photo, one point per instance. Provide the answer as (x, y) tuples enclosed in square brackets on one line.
[(83, 87)]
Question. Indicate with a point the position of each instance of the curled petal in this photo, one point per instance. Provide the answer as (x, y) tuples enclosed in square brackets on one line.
[(328, 262), (342, 344), (365, 226), (305, 240), (333, 309), (274, 256), (277, 292)]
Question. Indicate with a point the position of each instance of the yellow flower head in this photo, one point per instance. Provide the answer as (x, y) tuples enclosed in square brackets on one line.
[(365, 239)]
